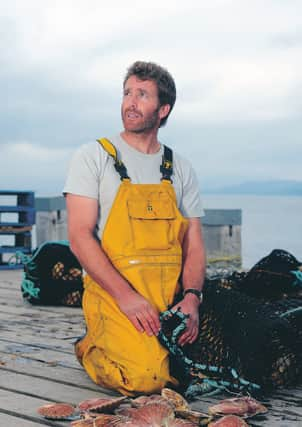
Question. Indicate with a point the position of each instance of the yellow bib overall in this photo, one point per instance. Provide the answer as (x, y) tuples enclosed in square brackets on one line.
[(142, 237)]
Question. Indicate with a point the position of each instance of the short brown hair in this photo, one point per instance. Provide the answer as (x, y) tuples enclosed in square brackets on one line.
[(163, 79)]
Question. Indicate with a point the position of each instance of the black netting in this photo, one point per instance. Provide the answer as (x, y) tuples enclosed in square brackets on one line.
[(53, 276), (271, 278), (252, 322)]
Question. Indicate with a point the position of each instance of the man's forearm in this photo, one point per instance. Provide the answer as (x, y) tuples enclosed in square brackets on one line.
[(193, 273), (194, 258)]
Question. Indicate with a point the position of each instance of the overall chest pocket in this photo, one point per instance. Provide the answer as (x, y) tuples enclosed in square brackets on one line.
[(152, 223)]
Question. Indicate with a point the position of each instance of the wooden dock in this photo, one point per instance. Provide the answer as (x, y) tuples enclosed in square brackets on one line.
[(38, 365)]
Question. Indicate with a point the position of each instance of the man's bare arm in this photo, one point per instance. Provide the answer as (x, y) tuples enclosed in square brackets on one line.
[(194, 256), (82, 218), (193, 273)]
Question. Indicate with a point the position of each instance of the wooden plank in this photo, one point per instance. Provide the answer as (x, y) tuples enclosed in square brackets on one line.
[(45, 326), (41, 317), (43, 334), (15, 420), (18, 347), (46, 389), (11, 277), (59, 325), (9, 290), (14, 229), (70, 376), (59, 339), (24, 308), (35, 353), (24, 407)]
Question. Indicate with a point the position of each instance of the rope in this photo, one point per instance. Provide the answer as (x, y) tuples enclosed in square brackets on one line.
[(201, 385), (21, 258), (298, 276), (60, 242), (29, 287), (292, 311), (18, 258)]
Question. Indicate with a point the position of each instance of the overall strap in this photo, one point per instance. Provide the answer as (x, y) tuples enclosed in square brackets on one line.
[(166, 167), (118, 164)]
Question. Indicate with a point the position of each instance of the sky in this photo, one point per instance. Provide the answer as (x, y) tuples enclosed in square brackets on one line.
[(236, 63)]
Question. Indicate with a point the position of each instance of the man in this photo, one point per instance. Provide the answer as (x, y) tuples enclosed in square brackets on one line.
[(146, 204)]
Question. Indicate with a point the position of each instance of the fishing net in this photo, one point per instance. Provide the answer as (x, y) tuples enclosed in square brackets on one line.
[(257, 339), (275, 276), (52, 275)]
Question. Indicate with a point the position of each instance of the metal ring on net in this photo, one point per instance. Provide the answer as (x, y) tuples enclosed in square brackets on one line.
[(220, 378)]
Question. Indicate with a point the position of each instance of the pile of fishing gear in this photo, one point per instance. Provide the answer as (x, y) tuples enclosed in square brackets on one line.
[(250, 336), (52, 275)]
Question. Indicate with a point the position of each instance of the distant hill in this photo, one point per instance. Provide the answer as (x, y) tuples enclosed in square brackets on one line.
[(269, 188)]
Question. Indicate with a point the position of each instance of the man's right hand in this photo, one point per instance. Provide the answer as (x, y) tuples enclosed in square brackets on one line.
[(141, 313)]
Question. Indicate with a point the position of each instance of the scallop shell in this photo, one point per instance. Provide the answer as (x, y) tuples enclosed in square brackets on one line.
[(101, 404), (255, 407), (229, 421), (129, 423), (181, 423), (244, 406), (145, 400), (56, 411), (196, 417), (84, 422), (106, 420), (153, 414), (99, 421), (125, 412), (178, 402)]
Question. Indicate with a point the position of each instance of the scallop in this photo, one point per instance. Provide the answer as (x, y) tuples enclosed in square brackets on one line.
[(84, 422), (99, 421), (229, 421), (181, 423), (178, 402), (244, 406), (101, 404), (195, 417), (57, 411), (153, 414), (106, 420), (145, 400)]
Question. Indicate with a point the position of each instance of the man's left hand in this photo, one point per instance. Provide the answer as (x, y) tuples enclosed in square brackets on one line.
[(189, 305)]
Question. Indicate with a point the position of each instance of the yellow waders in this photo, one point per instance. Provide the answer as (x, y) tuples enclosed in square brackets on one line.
[(142, 238)]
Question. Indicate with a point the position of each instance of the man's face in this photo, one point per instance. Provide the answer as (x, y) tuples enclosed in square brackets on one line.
[(141, 111)]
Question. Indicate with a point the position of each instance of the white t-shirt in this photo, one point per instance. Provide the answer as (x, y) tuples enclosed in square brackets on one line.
[(92, 174)]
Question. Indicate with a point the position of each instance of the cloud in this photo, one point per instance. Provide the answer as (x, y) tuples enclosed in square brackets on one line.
[(28, 166), (237, 66), (35, 152), (242, 89), (220, 49)]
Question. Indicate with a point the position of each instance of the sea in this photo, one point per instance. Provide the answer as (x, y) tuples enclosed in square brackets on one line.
[(268, 222)]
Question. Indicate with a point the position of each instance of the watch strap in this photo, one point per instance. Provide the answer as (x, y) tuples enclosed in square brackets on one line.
[(196, 292)]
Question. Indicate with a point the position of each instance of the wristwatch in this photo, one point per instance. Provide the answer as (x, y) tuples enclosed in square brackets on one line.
[(196, 292)]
